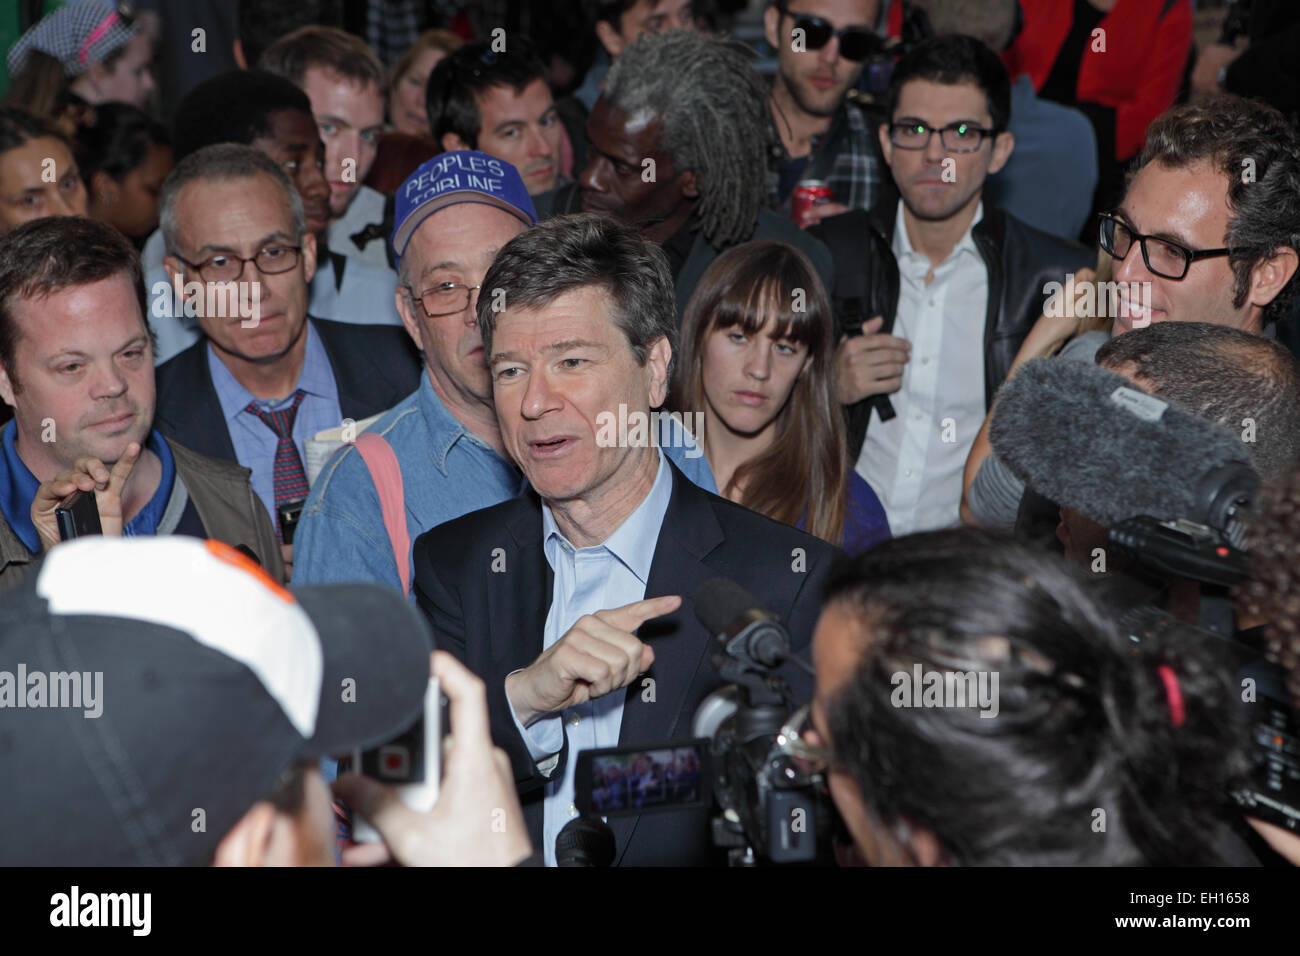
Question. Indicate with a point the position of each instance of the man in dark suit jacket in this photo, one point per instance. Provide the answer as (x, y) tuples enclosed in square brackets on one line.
[(540, 595), (264, 377)]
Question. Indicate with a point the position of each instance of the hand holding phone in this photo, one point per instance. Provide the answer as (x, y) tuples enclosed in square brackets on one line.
[(477, 820), (102, 485), (411, 763)]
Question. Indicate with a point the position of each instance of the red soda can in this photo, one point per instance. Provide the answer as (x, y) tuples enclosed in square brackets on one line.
[(809, 193)]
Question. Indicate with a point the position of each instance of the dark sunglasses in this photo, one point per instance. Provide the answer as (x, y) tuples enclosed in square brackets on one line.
[(856, 43)]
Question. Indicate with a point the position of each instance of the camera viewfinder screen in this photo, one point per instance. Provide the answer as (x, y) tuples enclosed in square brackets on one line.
[(646, 780)]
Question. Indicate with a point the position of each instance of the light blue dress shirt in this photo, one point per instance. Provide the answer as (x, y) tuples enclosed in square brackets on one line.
[(587, 580), (254, 441)]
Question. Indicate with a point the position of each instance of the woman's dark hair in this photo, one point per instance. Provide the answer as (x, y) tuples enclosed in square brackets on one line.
[(18, 127), (950, 60), (1084, 718), (805, 471), (118, 141)]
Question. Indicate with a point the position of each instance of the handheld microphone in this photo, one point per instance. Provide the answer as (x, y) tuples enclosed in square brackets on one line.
[(743, 629), (585, 841), (1092, 441)]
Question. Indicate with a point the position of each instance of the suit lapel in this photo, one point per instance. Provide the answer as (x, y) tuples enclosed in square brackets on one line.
[(690, 531), (196, 419), (521, 596)]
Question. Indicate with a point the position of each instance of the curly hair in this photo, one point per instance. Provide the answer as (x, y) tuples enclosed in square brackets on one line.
[(713, 107), (1254, 146), (1273, 592)]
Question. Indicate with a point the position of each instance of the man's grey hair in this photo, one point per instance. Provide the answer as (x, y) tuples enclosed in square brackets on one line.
[(713, 107), (567, 253), (992, 22), (222, 162)]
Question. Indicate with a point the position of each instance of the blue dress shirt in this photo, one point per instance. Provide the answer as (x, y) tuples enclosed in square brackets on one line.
[(18, 489), (254, 442), (607, 575)]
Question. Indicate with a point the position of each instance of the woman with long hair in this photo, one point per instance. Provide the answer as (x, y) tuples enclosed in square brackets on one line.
[(756, 356)]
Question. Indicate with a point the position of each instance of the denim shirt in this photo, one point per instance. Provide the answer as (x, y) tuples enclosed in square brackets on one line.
[(447, 471)]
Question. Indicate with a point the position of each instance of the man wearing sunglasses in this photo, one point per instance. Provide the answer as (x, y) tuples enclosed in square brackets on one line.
[(255, 387), (822, 47), (942, 287)]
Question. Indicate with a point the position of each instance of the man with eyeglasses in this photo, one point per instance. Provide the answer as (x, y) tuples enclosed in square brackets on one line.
[(821, 48), (936, 293), (265, 376), (1205, 233), (454, 213), (272, 115), (1209, 219)]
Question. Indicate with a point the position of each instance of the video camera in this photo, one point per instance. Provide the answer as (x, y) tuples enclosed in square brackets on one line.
[(1211, 556), (773, 807)]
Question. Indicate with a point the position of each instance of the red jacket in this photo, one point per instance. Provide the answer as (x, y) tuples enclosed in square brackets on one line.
[(1146, 46)]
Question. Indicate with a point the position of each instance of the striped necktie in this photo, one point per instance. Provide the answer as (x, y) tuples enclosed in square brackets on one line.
[(289, 478)]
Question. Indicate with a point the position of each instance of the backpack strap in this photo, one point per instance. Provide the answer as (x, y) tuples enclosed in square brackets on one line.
[(381, 462)]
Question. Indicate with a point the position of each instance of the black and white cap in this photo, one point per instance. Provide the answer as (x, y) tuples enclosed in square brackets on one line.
[(153, 689)]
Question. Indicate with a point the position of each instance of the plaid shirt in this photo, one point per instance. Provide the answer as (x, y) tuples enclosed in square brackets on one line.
[(856, 171)]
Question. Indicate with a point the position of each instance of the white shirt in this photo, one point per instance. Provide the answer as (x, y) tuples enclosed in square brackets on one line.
[(607, 575), (915, 460), (366, 208)]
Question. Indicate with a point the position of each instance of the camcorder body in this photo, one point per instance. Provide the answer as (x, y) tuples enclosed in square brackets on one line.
[(772, 808), (1211, 558)]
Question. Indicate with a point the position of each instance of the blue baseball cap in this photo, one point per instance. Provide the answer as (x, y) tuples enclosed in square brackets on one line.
[(464, 175)]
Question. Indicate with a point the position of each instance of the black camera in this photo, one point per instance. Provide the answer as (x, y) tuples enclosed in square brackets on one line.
[(774, 806), (1211, 557)]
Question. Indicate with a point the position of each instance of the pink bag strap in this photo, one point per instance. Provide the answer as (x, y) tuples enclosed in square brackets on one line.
[(381, 461)]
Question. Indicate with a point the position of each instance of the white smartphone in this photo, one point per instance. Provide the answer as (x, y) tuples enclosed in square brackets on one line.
[(411, 762)]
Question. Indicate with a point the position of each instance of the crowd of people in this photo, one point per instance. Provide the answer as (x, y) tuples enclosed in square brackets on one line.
[(361, 332)]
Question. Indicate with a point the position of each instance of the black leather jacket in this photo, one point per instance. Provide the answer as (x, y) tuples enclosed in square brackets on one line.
[(1020, 259)]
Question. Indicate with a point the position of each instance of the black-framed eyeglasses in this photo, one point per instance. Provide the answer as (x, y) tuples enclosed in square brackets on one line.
[(446, 298), (856, 43), (955, 137), (1163, 257), (270, 260)]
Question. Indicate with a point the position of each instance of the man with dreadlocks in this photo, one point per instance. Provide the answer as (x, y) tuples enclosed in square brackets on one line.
[(677, 146)]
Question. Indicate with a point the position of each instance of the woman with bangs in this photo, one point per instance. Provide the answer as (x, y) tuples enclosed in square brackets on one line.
[(756, 355)]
